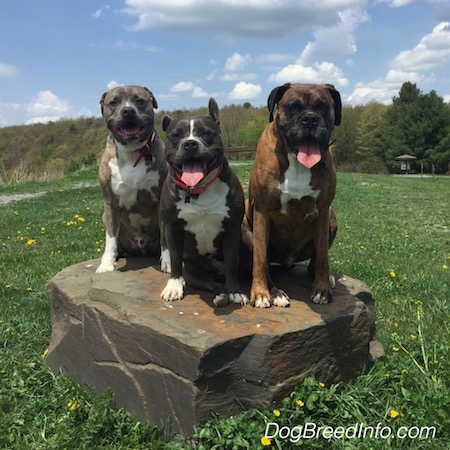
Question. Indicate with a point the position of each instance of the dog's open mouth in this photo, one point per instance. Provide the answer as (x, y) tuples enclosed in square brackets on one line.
[(193, 171), (130, 132), (308, 152)]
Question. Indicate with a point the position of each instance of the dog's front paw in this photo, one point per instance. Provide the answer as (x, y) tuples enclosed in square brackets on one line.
[(174, 289), (165, 261), (279, 298), (238, 298), (220, 300), (105, 267), (321, 296), (261, 301)]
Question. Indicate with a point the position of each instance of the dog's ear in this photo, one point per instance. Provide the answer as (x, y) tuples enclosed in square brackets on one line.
[(102, 101), (213, 109), (154, 102), (166, 122), (275, 97), (337, 103)]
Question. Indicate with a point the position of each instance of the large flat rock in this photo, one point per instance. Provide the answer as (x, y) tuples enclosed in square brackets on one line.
[(173, 363)]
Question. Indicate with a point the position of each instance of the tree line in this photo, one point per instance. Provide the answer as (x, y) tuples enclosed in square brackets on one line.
[(367, 140)]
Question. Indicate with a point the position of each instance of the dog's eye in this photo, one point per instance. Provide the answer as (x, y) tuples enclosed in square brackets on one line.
[(140, 102), (174, 135), (294, 106), (113, 103)]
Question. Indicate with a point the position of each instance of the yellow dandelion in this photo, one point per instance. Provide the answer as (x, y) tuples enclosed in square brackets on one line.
[(413, 336), (393, 413), (45, 352), (81, 219), (395, 349), (29, 289), (265, 441), (31, 242), (321, 384), (73, 405), (276, 413), (444, 266), (392, 274), (300, 404), (395, 324)]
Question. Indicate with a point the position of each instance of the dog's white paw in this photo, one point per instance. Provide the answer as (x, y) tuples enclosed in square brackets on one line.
[(262, 302), (319, 298), (281, 301), (279, 298), (238, 298), (105, 267), (220, 300), (165, 261), (174, 289)]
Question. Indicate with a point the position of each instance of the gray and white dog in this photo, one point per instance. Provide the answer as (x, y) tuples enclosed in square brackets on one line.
[(202, 205), (131, 174)]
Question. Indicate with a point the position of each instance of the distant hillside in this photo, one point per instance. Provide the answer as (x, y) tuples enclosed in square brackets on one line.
[(45, 151), (51, 150)]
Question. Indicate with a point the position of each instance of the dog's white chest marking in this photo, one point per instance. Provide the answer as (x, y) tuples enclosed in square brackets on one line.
[(205, 214), (296, 184), (126, 180)]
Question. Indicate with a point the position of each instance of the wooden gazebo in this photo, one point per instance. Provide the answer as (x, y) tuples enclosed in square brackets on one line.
[(405, 160)]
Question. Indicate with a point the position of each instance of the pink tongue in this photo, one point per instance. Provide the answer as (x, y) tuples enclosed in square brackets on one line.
[(309, 154), (192, 173)]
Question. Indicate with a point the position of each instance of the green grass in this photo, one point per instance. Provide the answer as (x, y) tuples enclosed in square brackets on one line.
[(393, 235)]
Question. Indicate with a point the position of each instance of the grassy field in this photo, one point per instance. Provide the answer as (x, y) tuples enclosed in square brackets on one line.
[(394, 235)]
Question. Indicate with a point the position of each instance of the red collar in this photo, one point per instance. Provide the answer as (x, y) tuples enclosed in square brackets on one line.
[(142, 151), (200, 187)]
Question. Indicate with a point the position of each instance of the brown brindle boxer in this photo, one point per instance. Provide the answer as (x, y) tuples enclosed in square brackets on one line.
[(292, 185)]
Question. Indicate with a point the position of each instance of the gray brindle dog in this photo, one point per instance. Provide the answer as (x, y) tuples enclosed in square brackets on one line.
[(131, 173)]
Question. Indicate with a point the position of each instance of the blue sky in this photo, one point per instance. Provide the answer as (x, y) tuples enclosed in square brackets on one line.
[(58, 57)]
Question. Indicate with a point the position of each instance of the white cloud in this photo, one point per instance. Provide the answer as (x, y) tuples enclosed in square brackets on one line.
[(46, 103), (414, 65), (198, 92), (335, 41), (323, 72), (396, 3), (112, 84), (237, 62), (238, 76), (264, 18), (183, 86), (245, 91), (7, 70), (100, 11), (432, 51)]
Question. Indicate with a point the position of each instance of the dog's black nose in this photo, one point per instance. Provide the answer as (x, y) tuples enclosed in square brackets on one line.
[(309, 119), (190, 146), (128, 112)]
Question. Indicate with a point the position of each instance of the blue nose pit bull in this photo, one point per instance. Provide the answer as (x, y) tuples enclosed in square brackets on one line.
[(202, 206)]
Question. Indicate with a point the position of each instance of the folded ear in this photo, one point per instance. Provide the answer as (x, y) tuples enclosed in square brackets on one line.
[(337, 103), (275, 97), (102, 100), (154, 102)]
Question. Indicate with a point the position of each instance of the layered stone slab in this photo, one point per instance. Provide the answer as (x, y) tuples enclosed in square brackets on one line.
[(173, 363)]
